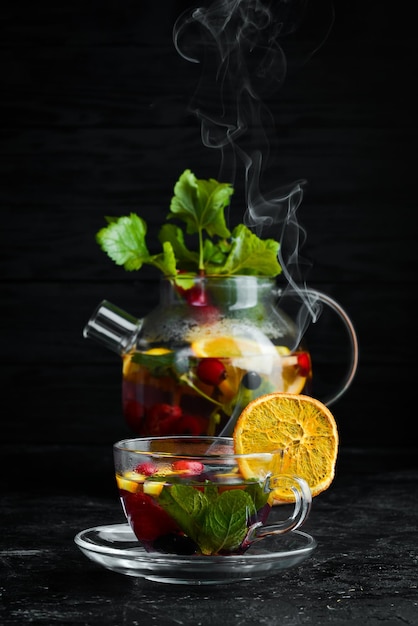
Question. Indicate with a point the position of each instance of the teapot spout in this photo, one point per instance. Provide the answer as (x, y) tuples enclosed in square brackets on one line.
[(112, 327)]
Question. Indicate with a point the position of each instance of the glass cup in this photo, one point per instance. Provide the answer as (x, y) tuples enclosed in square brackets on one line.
[(193, 495)]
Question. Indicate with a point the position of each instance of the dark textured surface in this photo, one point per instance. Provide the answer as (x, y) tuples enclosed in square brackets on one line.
[(95, 121), (364, 570)]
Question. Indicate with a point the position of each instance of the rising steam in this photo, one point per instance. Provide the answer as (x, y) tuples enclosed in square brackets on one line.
[(245, 49)]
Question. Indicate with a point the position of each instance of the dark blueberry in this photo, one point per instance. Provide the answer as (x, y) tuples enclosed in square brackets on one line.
[(251, 380), (175, 544)]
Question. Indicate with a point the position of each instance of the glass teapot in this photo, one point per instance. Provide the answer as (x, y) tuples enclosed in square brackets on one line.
[(211, 345)]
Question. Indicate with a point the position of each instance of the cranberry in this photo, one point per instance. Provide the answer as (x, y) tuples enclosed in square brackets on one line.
[(197, 296), (162, 418), (211, 371), (190, 425), (206, 314), (148, 468), (168, 411), (191, 467), (134, 414), (304, 364)]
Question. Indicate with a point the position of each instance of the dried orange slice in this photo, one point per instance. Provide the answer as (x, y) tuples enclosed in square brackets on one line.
[(301, 426)]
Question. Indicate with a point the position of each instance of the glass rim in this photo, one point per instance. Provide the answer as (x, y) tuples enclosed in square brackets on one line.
[(197, 276), (125, 445)]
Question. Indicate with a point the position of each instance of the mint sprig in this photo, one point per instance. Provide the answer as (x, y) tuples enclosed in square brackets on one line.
[(215, 522), (124, 242), (200, 205)]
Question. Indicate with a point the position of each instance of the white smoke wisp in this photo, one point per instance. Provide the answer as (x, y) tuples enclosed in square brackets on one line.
[(240, 46)]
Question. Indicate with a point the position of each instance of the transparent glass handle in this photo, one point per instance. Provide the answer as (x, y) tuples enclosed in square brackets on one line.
[(352, 335), (301, 509)]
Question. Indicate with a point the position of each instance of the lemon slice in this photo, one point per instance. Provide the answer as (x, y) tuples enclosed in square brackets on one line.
[(293, 382), (257, 353)]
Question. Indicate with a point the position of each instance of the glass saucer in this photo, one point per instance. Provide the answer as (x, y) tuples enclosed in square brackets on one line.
[(116, 548)]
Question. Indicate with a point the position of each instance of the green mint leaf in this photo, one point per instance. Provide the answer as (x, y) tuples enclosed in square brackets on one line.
[(214, 254), (214, 522), (185, 505), (251, 255), (156, 364), (174, 235), (200, 204), (258, 495), (166, 262), (123, 239), (224, 524)]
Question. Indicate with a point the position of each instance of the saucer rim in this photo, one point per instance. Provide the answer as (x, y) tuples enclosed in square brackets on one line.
[(137, 552)]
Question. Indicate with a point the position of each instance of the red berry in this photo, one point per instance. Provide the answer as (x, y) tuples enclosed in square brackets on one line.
[(206, 314), (148, 468), (148, 520), (134, 409), (134, 414), (211, 371), (163, 410), (191, 467), (304, 364), (189, 425), (197, 296), (162, 418)]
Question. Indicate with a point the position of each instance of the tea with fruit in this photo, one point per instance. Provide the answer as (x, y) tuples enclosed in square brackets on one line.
[(161, 499), (194, 495), (197, 396)]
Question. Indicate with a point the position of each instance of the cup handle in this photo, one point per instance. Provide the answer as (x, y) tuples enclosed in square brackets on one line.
[(301, 509), (338, 309)]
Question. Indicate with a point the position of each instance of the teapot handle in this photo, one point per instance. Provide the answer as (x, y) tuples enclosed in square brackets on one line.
[(338, 309)]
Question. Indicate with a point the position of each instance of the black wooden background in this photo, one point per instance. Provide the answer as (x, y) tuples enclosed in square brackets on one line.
[(95, 121)]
